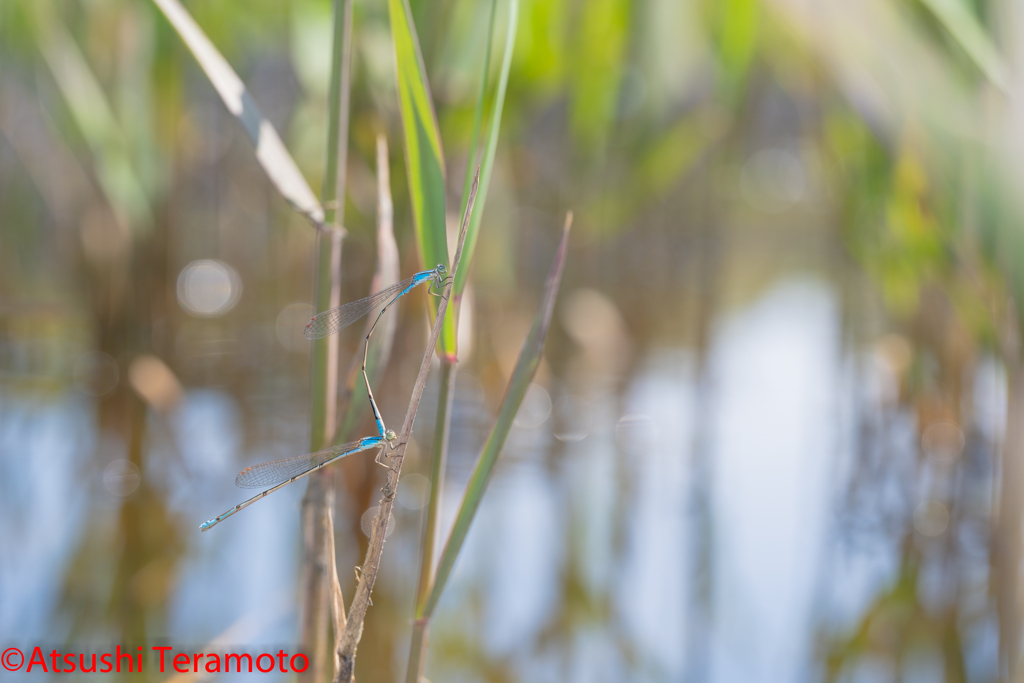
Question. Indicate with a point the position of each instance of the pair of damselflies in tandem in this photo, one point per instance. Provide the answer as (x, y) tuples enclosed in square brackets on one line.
[(277, 474)]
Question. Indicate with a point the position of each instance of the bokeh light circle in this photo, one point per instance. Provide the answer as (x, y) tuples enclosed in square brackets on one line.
[(943, 440), (291, 321), (208, 288), (535, 409), (96, 373), (572, 421), (931, 518), (635, 433), (366, 522), (121, 478)]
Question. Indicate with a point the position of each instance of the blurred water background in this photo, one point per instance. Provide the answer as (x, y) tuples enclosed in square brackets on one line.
[(769, 439)]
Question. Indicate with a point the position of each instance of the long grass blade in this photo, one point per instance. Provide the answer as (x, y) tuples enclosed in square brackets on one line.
[(94, 116), (522, 375), (492, 137), (968, 32), (270, 150), (478, 112), (424, 158)]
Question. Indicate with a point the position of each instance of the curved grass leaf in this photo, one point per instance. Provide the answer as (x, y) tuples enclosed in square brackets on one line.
[(522, 375), (424, 159), (965, 28), (492, 137), (270, 150)]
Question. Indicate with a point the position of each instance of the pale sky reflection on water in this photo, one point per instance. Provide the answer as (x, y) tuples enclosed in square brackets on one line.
[(774, 432), (776, 370)]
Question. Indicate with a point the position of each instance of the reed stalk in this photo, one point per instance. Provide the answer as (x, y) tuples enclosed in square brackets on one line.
[(442, 425), (321, 590), (449, 369), (318, 497)]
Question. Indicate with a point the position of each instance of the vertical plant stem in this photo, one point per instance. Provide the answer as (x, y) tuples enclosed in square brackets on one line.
[(321, 589), (442, 429), (432, 523), (418, 645), (418, 650), (316, 502), (337, 130)]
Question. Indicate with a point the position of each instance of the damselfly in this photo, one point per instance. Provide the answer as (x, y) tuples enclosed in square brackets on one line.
[(335, 319), (332, 320), (279, 473)]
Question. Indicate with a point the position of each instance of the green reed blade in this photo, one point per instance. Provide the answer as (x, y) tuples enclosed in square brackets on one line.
[(424, 159), (492, 136), (270, 150), (522, 375)]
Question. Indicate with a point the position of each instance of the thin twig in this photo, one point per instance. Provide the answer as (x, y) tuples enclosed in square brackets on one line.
[(361, 599), (385, 275)]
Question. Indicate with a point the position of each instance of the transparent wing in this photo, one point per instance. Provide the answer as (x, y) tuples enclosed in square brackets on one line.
[(277, 472), (335, 319)]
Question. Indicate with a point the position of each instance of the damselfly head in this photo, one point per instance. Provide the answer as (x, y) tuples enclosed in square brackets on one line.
[(390, 435), (441, 269)]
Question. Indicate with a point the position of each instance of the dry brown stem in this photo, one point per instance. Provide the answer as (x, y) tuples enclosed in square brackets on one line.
[(346, 649)]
